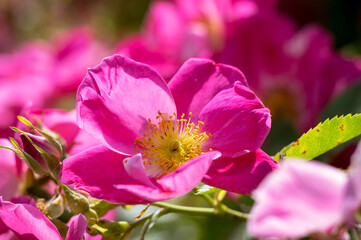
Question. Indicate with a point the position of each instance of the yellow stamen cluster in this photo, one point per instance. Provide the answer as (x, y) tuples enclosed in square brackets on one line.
[(41, 205), (170, 143)]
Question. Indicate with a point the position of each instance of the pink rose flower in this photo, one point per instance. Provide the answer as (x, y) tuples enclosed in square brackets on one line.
[(25, 221), (177, 30), (272, 54), (27, 68), (74, 51), (50, 69), (305, 197), (160, 139)]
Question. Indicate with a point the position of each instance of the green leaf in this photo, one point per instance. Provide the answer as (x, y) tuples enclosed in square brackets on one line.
[(324, 137), (34, 165), (205, 189), (281, 154)]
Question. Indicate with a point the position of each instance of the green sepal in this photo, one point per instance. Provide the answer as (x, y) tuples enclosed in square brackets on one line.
[(31, 162), (51, 160), (77, 202), (113, 228), (51, 139)]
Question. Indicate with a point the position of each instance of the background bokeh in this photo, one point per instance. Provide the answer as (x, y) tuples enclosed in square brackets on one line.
[(46, 47)]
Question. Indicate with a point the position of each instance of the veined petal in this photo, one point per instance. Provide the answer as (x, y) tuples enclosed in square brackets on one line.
[(177, 183), (237, 120), (17, 217), (241, 174), (186, 177), (134, 167), (198, 81), (96, 171), (101, 172), (116, 99), (291, 201)]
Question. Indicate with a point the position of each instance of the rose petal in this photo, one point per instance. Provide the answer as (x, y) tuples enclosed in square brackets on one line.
[(298, 199), (198, 81), (241, 174), (96, 171), (134, 167), (101, 172), (18, 216), (237, 120), (117, 98), (189, 174), (353, 189), (77, 226), (177, 183)]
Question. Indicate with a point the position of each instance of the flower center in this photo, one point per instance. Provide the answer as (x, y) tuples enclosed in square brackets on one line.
[(171, 142)]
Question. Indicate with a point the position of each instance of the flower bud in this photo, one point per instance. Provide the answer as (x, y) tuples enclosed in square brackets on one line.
[(41, 150), (56, 206), (77, 202), (113, 227)]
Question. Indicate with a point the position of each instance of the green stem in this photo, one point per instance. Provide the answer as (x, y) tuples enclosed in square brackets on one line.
[(140, 222), (227, 212), (206, 197)]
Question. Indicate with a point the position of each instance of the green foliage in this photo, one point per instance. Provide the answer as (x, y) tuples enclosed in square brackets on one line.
[(323, 137), (50, 136), (32, 163)]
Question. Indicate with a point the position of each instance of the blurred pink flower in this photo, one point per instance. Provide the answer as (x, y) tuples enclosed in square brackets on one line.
[(152, 151), (305, 197), (177, 30), (10, 176), (41, 73), (74, 51), (318, 71), (23, 79), (15, 219), (296, 73)]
